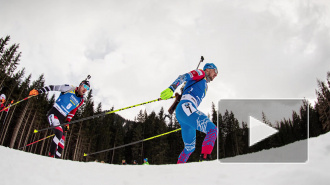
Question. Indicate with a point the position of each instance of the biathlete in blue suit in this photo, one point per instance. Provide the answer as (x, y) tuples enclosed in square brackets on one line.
[(189, 117), (65, 107)]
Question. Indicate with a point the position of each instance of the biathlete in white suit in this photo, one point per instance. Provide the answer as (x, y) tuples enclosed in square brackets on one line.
[(65, 107)]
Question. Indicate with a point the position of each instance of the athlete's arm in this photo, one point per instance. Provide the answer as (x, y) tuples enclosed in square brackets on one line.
[(192, 75), (73, 112), (195, 75), (61, 88)]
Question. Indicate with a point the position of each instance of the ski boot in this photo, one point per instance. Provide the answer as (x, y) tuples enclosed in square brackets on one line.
[(205, 157)]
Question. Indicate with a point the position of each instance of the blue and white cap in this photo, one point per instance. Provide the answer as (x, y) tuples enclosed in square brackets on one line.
[(210, 66)]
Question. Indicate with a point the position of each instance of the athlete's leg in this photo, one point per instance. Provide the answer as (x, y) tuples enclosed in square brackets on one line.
[(56, 140), (197, 120), (189, 139), (60, 147), (204, 124), (188, 133), (53, 121)]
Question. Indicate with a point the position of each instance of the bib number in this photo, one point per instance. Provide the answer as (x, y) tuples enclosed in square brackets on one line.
[(69, 106), (188, 108)]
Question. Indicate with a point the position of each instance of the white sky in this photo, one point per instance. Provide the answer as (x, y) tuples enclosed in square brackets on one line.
[(135, 49)]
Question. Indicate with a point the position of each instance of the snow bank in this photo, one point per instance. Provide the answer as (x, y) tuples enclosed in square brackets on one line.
[(19, 167)]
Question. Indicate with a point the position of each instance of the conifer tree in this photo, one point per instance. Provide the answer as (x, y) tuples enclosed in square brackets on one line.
[(323, 104), (9, 59)]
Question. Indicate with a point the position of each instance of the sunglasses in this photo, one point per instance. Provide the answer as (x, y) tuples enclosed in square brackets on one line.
[(86, 87)]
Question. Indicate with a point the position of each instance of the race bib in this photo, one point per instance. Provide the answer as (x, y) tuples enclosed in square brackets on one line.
[(188, 108)]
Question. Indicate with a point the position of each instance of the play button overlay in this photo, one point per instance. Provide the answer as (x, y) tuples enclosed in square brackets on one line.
[(262, 131), (259, 131)]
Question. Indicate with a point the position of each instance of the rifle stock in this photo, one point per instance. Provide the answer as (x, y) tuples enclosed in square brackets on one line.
[(175, 103)]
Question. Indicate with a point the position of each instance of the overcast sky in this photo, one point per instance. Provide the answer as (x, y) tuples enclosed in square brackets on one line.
[(275, 110), (135, 49)]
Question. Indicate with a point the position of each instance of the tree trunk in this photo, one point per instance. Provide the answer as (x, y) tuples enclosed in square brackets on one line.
[(43, 143), (36, 146), (89, 148), (27, 137), (76, 149), (66, 151), (113, 151), (80, 149), (32, 140), (47, 147), (12, 114), (18, 125), (237, 143), (142, 155), (3, 80), (6, 125), (3, 112), (3, 124), (66, 144), (222, 146), (23, 131), (77, 144)]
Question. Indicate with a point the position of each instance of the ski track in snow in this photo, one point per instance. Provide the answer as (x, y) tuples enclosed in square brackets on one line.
[(19, 167)]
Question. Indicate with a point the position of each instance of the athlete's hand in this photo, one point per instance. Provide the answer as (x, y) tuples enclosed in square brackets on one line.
[(166, 94), (33, 92), (3, 100), (66, 128)]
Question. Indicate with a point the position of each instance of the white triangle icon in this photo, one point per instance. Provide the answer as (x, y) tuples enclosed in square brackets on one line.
[(259, 131)]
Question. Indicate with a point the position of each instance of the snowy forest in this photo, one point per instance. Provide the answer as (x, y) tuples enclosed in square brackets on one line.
[(17, 125)]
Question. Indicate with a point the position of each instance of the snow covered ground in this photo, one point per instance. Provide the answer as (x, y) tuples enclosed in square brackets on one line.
[(292, 153), (18, 167)]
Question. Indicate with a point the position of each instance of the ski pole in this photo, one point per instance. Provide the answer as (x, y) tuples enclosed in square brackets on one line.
[(17, 102), (98, 115), (132, 143), (36, 141)]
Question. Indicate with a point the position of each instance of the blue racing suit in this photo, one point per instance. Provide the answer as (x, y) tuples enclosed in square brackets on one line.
[(63, 110), (190, 118)]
